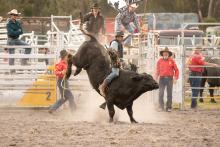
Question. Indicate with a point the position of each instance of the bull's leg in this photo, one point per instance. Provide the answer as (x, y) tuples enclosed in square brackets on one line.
[(111, 110), (201, 90), (78, 70), (211, 92), (130, 113)]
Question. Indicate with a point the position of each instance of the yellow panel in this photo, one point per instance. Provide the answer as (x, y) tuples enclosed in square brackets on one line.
[(42, 93)]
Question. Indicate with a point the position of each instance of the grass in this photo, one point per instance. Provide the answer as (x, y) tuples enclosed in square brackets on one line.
[(206, 105)]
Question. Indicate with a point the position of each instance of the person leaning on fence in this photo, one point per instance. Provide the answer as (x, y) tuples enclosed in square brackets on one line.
[(168, 73), (94, 21), (129, 20), (62, 83), (14, 30), (195, 62)]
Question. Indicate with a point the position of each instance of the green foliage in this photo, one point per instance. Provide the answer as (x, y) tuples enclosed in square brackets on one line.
[(206, 19), (73, 7)]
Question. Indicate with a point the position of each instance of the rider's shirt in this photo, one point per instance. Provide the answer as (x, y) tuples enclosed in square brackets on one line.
[(116, 45), (115, 61)]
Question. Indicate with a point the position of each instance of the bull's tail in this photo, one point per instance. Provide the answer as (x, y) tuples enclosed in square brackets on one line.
[(92, 38)]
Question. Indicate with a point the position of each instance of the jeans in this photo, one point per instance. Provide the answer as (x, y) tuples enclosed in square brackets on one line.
[(112, 75), (130, 28), (195, 83), (12, 50), (66, 94), (165, 82)]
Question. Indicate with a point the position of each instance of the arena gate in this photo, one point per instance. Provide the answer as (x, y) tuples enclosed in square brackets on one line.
[(181, 46), (210, 44), (34, 85)]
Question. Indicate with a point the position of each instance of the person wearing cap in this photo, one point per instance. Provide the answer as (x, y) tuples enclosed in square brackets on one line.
[(168, 73), (117, 45), (14, 30), (195, 62), (129, 20), (62, 83), (94, 21)]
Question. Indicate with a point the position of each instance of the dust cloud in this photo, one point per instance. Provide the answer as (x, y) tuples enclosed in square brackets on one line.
[(88, 109)]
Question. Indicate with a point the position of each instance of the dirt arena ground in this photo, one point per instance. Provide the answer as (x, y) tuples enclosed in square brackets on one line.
[(89, 127)]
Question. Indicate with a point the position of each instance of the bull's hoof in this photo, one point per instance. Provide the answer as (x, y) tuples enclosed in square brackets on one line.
[(201, 100), (111, 120), (134, 122), (213, 101)]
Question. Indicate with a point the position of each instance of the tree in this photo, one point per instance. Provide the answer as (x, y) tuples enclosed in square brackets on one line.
[(205, 8)]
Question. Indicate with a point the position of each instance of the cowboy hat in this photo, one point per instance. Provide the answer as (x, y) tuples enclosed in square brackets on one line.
[(95, 6), (119, 34), (14, 11), (166, 50), (134, 5)]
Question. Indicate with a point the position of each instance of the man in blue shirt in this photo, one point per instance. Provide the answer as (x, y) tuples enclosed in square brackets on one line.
[(14, 30)]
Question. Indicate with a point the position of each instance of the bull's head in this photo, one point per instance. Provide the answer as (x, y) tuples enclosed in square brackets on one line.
[(78, 60), (147, 82)]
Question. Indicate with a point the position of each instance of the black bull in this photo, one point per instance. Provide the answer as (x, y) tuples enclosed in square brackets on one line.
[(213, 82), (94, 58)]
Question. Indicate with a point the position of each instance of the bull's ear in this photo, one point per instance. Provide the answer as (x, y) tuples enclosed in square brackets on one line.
[(137, 77)]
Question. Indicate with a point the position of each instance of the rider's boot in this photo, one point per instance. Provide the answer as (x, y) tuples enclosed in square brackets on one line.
[(102, 88)]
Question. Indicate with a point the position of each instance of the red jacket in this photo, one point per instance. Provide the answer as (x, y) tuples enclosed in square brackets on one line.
[(59, 67), (196, 60), (167, 68)]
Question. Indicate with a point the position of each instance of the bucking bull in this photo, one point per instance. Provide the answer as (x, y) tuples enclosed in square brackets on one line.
[(213, 82), (93, 58)]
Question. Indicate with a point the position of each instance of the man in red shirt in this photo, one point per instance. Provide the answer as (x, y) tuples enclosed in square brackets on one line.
[(168, 73), (62, 83), (196, 61)]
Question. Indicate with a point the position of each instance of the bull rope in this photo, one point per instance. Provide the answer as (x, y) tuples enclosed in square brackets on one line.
[(63, 86)]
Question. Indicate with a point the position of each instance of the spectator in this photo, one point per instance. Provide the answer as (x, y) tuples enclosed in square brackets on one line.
[(168, 74), (94, 21), (195, 73), (129, 20), (117, 45), (14, 30), (62, 83)]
